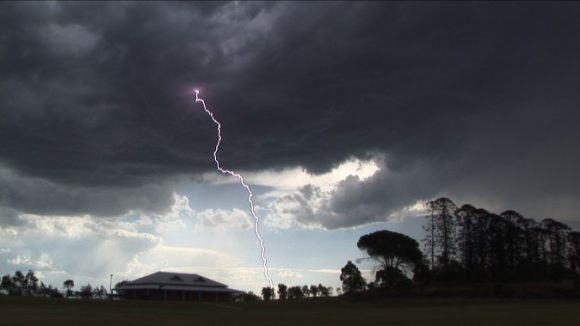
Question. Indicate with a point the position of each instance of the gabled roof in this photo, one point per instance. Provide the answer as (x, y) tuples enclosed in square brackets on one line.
[(175, 281)]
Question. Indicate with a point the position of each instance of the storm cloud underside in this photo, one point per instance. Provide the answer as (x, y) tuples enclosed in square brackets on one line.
[(476, 101)]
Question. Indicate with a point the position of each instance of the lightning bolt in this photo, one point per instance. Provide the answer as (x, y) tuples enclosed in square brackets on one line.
[(242, 182)]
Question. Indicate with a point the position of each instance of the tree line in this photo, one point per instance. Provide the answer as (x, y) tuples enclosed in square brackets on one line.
[(28, 284), (465, 244), (297, 292), (472, 244)]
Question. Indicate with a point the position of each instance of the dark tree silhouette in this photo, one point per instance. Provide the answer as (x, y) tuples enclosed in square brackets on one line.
[(324, 291), (30, 285), (19, 282), (395, 253), (295, 292), (429, 240), (556, 241), (480, 243), (514, 239), (442, 229), (573, 252), (248, 296), (306, 290), (86, 291), (391, 249), (268, 293), (497, 243), (68, 285), (527, 246), (27, 284), (483, 246), (465, 237), (99, 292), (282, 291), (7, 284), (314, 290), (351, 278)]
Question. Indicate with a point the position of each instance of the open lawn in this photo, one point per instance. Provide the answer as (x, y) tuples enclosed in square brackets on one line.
[(327, 311)]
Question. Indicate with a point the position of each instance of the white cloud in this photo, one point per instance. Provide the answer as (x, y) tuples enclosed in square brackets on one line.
[(298, 198), (326, 271), (87, 246), (172, 220), (289, 274), (44, 262), (281, 214), (20, 260), (8, 232), (290, 179), (354, 200), (225, 219), (416, 209), (185, 257)]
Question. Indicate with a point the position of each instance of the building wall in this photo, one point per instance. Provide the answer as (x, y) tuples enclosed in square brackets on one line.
[(171, 295)]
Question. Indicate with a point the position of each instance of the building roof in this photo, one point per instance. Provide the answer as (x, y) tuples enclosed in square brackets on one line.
[(175, 281)]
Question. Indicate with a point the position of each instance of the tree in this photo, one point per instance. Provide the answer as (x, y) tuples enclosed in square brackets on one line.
[(573, 252), (268, 293), (68, 285), (488, 246), (30, 285), (306, 290), (390, 276), (556, 241), (314, 290), (429, 240), (539, 250), (395, 253), (497, 243), (99, 292), (442, 229), (19, 283), (249, 296), (351, 278), (527, 250), (465, 236), (51, 292), (7, 284), (86, 291), (514, 239), (282, 291), (480, 243), (323, 290), (295, 292), (422, 274)]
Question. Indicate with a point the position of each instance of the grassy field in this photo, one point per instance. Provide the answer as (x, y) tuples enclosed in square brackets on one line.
[(331, 311)]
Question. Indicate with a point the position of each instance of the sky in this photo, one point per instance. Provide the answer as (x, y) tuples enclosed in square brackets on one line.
[(344, 117)]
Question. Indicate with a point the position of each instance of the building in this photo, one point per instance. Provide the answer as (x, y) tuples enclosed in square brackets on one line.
[(175, 286)]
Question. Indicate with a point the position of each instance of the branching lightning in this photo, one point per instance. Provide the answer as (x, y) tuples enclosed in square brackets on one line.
[(242, 182)]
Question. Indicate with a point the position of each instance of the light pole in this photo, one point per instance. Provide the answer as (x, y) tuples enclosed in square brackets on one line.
[(111, 286)]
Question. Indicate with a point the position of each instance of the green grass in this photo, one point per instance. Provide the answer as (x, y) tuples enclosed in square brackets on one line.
[(331, 311)]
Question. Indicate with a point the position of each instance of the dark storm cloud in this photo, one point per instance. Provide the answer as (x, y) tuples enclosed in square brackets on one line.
[(39, 196), (472, 100)]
